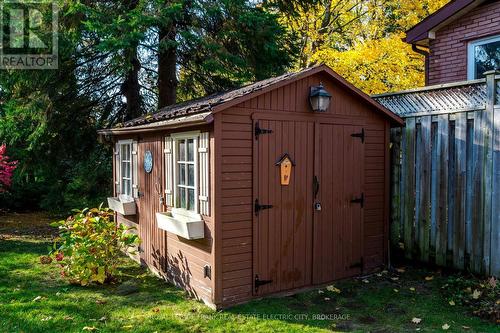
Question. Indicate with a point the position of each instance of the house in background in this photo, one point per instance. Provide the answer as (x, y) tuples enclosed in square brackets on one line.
[(460, 41), (446, 160), (271, 188)]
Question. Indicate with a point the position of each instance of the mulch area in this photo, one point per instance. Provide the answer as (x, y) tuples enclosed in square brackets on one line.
[(32, 225)]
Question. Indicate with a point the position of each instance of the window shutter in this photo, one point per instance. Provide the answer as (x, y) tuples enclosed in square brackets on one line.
[(204, 173), (135, 167), (117, 169), (169, 171)]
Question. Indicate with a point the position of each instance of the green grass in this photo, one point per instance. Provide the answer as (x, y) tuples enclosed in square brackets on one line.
[(373, 305)]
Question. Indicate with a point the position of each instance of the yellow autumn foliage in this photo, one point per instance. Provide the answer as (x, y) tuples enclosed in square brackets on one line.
[(362, 40), (377, 66)]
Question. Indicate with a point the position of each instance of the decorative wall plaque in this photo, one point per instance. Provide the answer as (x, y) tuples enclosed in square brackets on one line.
[(148, 161)]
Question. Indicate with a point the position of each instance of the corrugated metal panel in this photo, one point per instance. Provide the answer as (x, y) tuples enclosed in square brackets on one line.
[(462, 96)]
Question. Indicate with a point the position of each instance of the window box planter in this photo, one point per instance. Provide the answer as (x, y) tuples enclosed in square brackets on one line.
[(124, 208), (183, 223)]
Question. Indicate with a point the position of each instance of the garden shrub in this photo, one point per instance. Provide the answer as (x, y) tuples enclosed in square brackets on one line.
[(90, 245)]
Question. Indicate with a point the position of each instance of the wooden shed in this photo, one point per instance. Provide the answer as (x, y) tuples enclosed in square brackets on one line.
[(250, 192)]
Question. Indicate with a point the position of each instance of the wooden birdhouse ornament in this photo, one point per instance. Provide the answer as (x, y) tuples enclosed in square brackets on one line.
[(286, 164)]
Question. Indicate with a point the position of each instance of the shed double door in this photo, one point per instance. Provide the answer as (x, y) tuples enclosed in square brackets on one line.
[(307, 232)]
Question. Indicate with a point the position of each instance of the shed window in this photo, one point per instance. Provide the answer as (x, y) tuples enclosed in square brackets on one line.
[(126, 168), (483, 55), (186, 171)]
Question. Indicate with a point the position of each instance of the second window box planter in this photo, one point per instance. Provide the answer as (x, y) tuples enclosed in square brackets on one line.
[(183, 223), (124, 208)]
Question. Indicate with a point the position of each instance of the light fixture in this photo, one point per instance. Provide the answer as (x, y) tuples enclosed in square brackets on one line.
[(319, 98)]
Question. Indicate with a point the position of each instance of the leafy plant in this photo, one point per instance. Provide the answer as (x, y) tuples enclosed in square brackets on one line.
[(90, 244), (7, 168)]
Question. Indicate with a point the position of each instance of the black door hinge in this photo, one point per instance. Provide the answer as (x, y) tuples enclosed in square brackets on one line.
[(360, 135), (258, 131), (360, 200), (259, 282), (359, 264), (258, 207)]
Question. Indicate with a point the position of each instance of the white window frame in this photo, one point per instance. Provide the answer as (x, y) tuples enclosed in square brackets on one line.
[(130, 180), (195, 135), (471, 68)]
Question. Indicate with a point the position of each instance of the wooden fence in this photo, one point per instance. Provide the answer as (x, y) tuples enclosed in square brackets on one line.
[(446, 175)]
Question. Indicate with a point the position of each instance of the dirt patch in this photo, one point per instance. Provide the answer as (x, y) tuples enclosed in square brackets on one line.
[(367, 320), (34, 225)]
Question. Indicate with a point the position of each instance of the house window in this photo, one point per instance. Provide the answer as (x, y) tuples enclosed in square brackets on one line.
[(483, 55), (186, 171), (126, 168)]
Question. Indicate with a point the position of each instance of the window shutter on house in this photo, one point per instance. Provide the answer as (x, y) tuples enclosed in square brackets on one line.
[(204, 171), (117, 169), (135, 167), (169, 172)]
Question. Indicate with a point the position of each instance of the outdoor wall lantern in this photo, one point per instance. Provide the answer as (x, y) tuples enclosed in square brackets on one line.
[(319, 98)]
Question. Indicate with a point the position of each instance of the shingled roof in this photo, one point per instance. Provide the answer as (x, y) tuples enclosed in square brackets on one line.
[(207, 103), (190, 111)]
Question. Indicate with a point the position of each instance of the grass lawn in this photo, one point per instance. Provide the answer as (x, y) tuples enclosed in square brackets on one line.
[(33, 298)]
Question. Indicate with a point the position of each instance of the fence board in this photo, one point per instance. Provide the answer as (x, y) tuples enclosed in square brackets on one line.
[(408, 174), (423, 170), (495, 208), (459, 184)]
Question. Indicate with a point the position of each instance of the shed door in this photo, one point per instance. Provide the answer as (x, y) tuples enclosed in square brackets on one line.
[(338, 239), (283, 233)]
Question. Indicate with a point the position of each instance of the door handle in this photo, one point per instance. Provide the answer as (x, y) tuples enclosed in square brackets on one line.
[(315, 186), (360, 200)]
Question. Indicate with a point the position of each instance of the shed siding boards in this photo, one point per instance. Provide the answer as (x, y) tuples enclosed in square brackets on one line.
[(237, 193), (178, 260), (448, 51)]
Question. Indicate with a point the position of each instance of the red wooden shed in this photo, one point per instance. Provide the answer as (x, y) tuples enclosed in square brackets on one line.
[(250, 192)]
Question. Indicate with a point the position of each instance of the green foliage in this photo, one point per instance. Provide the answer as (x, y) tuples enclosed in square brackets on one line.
[(90, 245)]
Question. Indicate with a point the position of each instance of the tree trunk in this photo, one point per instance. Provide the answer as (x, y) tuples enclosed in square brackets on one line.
[(131, 87), (167, 61)]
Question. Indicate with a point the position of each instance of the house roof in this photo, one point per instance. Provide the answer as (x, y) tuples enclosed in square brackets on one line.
[(218, 102), (425, 29)]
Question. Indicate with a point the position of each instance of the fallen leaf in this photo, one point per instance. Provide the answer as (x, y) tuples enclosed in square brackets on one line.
[(396, 291), (416, 320), (102, 318), (127, 327), (412, 289), (429, 278), (394, 278), (89, 328), (38, 298), (101, 301), (492, 282), (400, 270), (476, 294), (68, 318), (366, 281), (156, 310), (466, 327), (445, 327), (47, 318), (320, 291), (379, 274), (452, 302), (332, 288), (384, 271), (468, 289), (327, 298), (58, 293)]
